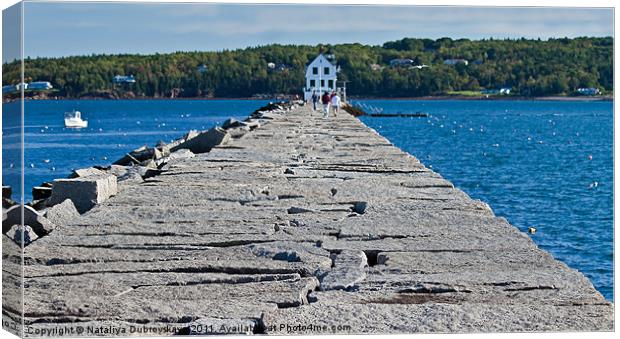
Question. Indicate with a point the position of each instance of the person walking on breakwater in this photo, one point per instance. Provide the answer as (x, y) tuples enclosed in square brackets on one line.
[(326, 100), (315, 100), (335, 103)]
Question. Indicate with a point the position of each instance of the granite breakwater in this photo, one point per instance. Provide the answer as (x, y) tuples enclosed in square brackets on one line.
[(285, 223)]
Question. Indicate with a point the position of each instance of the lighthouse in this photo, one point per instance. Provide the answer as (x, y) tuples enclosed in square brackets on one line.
[(320, 76)]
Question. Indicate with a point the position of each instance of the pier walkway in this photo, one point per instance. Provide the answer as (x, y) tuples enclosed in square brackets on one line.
[(307, 226)]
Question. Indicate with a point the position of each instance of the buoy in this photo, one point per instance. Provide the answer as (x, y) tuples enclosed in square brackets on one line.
[(590, 157), (531, 230)]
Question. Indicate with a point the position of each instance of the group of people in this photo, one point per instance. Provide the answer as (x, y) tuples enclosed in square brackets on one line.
[(330, 102)]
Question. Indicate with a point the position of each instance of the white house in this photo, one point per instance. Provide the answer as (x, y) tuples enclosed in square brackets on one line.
[(320, 77), (401, 62), (588, 91), (121, 79), (40, 85), (453, 62)]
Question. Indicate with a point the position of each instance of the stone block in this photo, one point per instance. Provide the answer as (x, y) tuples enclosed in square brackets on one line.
[(23, 234), (62, 213), (84, 192), (7, 192), (85, 172), (176, 155), (40, 192), (39, 224), (205, 141)]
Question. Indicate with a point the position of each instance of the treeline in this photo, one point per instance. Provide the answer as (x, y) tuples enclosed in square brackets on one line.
[(528, 67)]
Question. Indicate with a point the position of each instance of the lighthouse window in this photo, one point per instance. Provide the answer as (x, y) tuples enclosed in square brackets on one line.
[(326, 70), (315, 70)]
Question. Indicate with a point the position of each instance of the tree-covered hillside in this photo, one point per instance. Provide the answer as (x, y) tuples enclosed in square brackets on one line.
[(528, 67)]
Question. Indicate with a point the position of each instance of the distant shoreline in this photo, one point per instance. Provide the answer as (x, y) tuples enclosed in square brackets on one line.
[(424, 98), (493, 98)]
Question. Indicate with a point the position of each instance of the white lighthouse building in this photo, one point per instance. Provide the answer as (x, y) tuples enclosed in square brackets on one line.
[(320, 77)]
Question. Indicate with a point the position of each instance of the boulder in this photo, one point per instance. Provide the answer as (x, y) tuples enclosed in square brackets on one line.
[(176, 155), (231, 123), (138, 155), (131, 174), (40, 192), (118, 170), (85, 172), (84, 192), (62, 213), (190, 135), (6, 203), (149, 163), (251, 124), (38, 205), (166, 149), (238, 132), (39, 224), (205, 141), (22, 234), (7, 191)]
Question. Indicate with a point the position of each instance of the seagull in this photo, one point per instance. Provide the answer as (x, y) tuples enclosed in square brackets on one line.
[(421, 66)]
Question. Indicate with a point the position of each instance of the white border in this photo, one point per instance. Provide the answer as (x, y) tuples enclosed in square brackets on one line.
[(505, 3)]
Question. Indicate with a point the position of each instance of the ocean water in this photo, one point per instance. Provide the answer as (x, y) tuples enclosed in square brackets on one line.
[(115, 127), (542, 164)]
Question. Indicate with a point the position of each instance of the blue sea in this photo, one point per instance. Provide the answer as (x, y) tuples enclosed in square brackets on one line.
[(542, 164)]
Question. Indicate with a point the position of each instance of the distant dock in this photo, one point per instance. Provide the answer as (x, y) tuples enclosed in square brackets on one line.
[(291, 220)]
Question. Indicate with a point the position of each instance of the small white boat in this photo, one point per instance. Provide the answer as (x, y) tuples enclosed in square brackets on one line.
[(73, 119)]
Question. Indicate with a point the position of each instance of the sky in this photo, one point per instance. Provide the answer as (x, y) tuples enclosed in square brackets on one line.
[(61, 29)]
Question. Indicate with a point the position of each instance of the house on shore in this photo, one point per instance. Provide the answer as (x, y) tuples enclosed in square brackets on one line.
[(40, 85), (321, 76), (123, 79), (591, 91), (453, 62), (33, 86), (497, 91), (401, 62)]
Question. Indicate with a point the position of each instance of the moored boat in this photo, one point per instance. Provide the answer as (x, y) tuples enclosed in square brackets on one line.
[(73, 119)]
